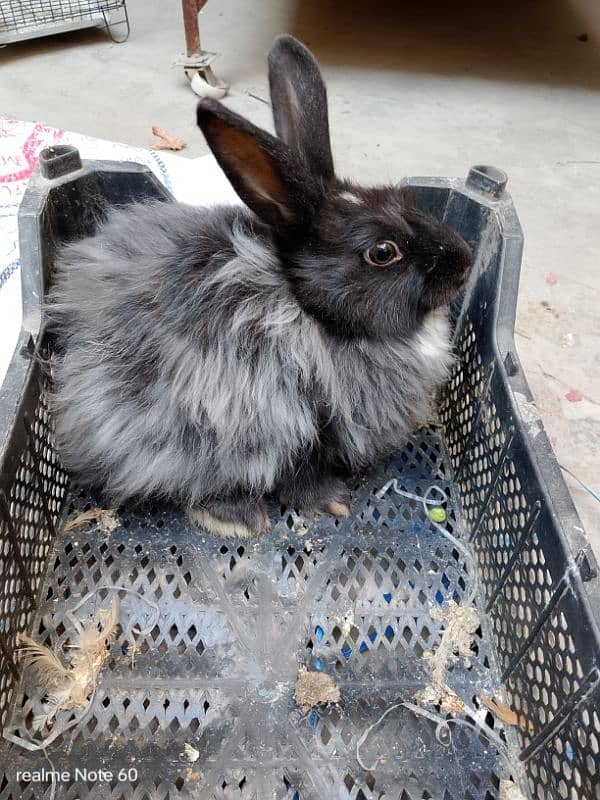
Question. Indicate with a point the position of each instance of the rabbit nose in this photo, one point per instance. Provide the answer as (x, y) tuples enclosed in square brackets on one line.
[(457, 258), (450, 261)]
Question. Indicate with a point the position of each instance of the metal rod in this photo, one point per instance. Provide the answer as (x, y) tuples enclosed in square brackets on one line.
[(12, 537), (191, 9)]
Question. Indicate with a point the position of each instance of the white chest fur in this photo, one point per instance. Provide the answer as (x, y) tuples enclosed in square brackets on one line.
[(432, 342)]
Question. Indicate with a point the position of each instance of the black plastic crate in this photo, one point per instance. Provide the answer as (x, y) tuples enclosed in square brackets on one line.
[(228, 624)]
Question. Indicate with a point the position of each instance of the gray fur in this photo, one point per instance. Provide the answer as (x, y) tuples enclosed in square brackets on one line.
[(215, 355), (188, 389)]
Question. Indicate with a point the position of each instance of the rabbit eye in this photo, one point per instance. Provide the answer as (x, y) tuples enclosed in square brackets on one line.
[(382, 254)]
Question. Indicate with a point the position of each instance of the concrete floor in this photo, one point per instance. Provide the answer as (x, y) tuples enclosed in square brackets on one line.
[(415, 89)]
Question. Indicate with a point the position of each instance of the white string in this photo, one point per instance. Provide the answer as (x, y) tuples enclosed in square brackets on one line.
[(456, 543), (146, 632), (442, 727)]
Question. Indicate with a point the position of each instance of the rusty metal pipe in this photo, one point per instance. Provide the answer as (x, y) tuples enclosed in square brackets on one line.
[(191, 9)]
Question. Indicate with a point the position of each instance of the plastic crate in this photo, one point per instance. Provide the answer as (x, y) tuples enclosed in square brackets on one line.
[(352, 598)]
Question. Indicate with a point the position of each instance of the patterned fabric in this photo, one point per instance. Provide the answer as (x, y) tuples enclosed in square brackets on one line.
[(198, 181)]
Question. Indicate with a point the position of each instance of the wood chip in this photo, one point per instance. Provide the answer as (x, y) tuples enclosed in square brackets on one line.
[(164, 141), (501, 710)]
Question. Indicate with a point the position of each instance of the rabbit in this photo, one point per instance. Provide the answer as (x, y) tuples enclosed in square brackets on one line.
[(216, 356)]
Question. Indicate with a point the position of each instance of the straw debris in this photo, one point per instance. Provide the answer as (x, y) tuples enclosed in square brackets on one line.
[(65, 687), (314, 689), (461, 622), (104, 518)]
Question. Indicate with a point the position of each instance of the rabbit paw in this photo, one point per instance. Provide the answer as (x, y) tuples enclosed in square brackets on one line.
[(233, 518), (330, 497)]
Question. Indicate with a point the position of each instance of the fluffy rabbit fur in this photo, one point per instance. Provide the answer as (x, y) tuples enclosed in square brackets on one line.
[(215, 356)]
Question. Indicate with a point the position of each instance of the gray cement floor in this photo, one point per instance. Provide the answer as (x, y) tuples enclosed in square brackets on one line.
[(425, 88)]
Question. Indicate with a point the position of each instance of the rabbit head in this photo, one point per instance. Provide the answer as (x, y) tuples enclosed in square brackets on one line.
[(363, 261)]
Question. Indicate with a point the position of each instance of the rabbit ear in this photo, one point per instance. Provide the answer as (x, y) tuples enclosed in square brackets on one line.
[(266, 175), (299, 100)]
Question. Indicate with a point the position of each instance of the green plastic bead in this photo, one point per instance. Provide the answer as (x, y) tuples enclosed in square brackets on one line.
[(437, 514)]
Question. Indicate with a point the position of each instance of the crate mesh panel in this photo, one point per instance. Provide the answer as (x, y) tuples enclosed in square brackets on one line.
[(36, 495), (528, 594)]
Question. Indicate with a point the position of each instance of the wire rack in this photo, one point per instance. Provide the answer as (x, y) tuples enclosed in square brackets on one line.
[(29, 19)]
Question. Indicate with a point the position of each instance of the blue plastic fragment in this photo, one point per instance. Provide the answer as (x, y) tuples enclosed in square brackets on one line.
[(445, 580), (319, 665), (363, 648), (313, 719), (319, 633), (389, 632), (372, 635), (439, 597), (346, 651), (387, 597), (569, 751)]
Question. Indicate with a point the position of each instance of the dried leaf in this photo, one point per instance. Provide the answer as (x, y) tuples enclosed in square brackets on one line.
[(500, 710), (165, 141)]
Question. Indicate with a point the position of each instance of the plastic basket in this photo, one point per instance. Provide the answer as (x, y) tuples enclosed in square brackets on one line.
[(352, 598)]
